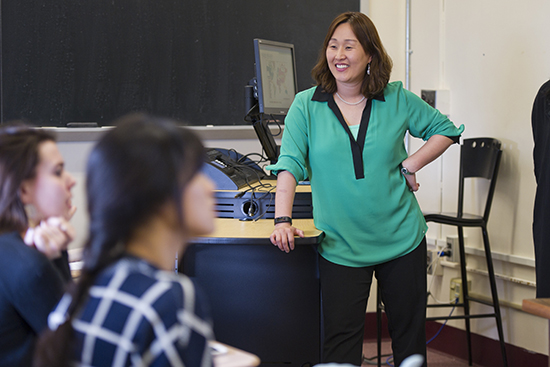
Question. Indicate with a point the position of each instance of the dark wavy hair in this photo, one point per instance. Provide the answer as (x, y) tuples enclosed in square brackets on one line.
[(19, 156), (136, 168), (366, 33)]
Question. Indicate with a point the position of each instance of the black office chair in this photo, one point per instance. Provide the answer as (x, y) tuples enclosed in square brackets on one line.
[(479, 158)]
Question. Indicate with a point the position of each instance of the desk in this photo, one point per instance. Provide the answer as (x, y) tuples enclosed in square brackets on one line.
[(263, 301), (538, 307)]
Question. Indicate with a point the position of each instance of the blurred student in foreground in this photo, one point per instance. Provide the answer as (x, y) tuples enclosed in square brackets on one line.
[(35, 206), (146, 198)]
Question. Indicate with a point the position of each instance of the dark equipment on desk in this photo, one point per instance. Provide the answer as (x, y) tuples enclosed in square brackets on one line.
[(259, 204), (230, 170), (244, 191)]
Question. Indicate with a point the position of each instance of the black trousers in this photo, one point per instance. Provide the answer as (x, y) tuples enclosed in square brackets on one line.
[(345, 291)]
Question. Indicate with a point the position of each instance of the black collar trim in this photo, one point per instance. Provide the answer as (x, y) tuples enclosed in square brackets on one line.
[(321, 96), (356, 145)]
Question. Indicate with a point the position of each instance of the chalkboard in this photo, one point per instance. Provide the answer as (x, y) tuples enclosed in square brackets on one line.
[(92, 61)]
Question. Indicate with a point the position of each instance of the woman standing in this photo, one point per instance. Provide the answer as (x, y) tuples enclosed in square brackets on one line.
[(35, 205), (347, 136), (146, 199)]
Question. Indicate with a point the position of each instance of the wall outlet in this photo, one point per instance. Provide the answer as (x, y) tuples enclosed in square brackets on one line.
[(456, 290), (453, 247), (439, 98), (428, 96)]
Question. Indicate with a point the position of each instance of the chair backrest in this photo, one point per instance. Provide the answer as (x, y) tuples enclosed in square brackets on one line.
[(479, 157)]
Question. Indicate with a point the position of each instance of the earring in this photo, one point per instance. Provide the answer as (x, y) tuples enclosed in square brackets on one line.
[(368, 68)]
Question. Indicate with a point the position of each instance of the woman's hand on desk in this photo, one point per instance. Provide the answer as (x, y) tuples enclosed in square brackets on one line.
[(283, 236)]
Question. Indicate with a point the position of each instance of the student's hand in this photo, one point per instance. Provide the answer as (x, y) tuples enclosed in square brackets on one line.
[(51, 236), (283, 236)]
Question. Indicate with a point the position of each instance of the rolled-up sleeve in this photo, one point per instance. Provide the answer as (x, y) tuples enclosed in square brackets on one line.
[(295, 145), (425, 121)]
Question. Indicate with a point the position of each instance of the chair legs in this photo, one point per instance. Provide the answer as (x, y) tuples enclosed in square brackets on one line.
[(467, 298), (494, 294), (465, 295)]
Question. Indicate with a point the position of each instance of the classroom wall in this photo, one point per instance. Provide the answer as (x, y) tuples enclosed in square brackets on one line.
[(492, 55)]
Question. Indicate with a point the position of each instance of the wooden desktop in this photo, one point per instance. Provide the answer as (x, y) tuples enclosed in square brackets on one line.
[(539, 307)]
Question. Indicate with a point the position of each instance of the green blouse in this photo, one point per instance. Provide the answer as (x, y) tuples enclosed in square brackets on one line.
[(360, 198)]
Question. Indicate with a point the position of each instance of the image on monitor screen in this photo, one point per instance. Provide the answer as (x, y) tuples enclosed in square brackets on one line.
[(275, 76)]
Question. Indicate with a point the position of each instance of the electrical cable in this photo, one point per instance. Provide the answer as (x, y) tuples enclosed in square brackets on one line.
[(435, 263), (245, 157), (445, 323), (278, 125), (268, 205), (250, 205), (373, 360)]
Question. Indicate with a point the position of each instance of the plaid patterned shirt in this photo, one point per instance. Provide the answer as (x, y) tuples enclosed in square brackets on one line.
[(138, 315)]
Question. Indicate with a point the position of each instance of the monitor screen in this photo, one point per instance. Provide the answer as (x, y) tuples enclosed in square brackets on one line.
[(276, 82)]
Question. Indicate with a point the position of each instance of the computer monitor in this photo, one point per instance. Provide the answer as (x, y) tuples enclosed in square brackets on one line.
[(276, 83), (270, 94)]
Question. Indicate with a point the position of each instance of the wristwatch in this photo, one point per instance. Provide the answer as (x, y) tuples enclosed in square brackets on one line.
[(406, 171), (283, 220)]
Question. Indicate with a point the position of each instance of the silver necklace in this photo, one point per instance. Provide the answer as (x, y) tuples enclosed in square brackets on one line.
[(351, 104)]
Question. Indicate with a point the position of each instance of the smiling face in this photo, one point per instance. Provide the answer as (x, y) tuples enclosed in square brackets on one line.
[(49, 191), (346, 58)]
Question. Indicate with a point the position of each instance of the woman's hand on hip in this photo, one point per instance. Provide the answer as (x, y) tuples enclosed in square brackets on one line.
[(283, 236), (411, 182)]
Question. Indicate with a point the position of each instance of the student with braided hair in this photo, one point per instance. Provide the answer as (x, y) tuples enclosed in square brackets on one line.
[(146, 198)]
